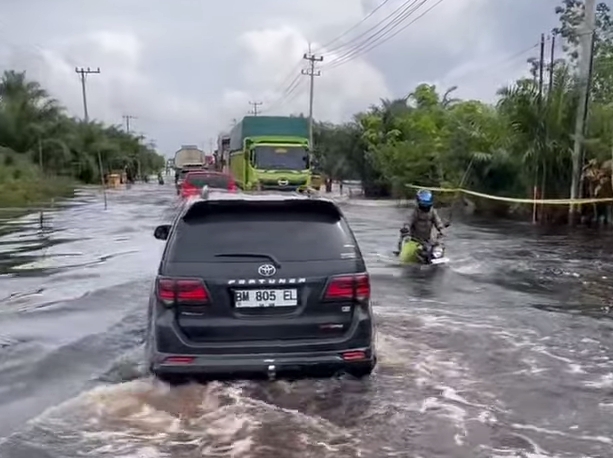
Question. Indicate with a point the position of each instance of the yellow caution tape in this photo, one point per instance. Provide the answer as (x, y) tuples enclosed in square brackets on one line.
[(515, 200)]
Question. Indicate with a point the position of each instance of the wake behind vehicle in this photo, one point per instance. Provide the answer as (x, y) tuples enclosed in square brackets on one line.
[(422, 252), (270, 153), (260, 284)]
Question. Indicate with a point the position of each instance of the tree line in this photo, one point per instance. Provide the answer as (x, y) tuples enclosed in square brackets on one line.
[(42, 146), (522, 142)]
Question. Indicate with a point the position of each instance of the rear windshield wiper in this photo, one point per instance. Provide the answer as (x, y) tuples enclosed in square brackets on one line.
[(249, 255)]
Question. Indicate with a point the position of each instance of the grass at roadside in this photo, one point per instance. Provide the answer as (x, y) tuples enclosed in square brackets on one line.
[(23, 185)]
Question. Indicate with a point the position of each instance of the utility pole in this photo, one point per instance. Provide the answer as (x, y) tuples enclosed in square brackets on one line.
[(551, 70), (540, 106), (585, 57), (127, 118), (255, 107), (552, 63), (541, 68), (312, 58), (83, 75)]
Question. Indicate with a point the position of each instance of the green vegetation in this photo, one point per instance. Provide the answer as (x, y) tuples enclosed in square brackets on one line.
[(23, 184), (505, 149), (44, 153)]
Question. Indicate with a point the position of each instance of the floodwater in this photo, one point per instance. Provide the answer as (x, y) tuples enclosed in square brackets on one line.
[(505, 352)]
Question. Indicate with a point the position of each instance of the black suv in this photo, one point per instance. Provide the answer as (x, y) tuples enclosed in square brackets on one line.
[(260, 284)]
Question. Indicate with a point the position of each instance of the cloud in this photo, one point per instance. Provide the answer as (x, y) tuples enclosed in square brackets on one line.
[(185, 68), (122, 87), (268, 74)]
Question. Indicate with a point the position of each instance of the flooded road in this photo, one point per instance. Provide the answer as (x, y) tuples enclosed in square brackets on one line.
[(505, 352)]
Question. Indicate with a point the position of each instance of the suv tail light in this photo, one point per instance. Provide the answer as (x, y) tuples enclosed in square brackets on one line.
[(232, 187), (348, 287), (183, 290)]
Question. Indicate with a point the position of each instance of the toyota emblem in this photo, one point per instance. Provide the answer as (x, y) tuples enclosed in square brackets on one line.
[(267, 270)]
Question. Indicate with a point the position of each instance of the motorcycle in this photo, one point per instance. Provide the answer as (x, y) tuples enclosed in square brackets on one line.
[(421, 252)]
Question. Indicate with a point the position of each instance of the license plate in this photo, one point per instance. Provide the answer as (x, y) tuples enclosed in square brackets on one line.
[(264, 298), (440, 261)]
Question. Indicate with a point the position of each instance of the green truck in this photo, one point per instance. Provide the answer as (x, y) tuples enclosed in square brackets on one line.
[(270, 153)]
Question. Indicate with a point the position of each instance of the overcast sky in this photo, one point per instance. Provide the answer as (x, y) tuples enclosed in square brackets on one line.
[(186, 68)]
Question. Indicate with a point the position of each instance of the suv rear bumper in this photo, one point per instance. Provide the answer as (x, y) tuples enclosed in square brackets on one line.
[(259, 364), (249, 357)]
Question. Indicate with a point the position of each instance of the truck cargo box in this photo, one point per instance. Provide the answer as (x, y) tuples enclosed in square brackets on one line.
[(188, 154), (258, 126)]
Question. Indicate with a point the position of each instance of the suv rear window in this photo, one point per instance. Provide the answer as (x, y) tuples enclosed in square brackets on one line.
[(209, 179), (284, 232)]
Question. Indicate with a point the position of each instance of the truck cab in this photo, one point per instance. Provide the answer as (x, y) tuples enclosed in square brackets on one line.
[(270, 153), (279, 165)]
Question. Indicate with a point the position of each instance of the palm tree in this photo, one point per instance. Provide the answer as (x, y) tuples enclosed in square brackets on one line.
[(542, 129)]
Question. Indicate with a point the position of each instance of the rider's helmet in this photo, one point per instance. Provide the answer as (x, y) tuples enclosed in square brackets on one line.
[(424, 199)]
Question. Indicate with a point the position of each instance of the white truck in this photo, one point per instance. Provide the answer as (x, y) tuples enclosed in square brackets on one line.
[(189, 157)]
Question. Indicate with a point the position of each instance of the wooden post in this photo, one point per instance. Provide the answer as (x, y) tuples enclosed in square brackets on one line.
[(102, 179), (40, 154), (534, 195)]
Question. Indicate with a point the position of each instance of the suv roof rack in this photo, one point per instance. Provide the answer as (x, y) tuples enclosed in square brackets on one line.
[(207, 195), (212, 195)]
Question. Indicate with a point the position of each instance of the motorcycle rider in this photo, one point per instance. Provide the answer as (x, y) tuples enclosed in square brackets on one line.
[(422, 219)]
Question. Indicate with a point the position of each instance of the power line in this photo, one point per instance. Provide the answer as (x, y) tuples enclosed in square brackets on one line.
[(290, 94), (501, 63), (295, 95), (289, 90), (397, 16), (295, 83), (381, 5), (83, 76), (369, 45), (391, 17), (293, 72)]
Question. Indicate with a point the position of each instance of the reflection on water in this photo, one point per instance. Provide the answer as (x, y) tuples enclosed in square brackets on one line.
[(505, 352)]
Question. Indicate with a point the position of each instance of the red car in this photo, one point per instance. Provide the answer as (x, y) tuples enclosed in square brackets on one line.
[(194, 182)]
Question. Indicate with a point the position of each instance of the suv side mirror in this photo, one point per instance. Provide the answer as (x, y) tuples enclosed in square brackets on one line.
[(161, 232)]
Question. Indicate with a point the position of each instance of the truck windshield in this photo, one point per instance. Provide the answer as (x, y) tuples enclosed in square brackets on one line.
[(280, 157)]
